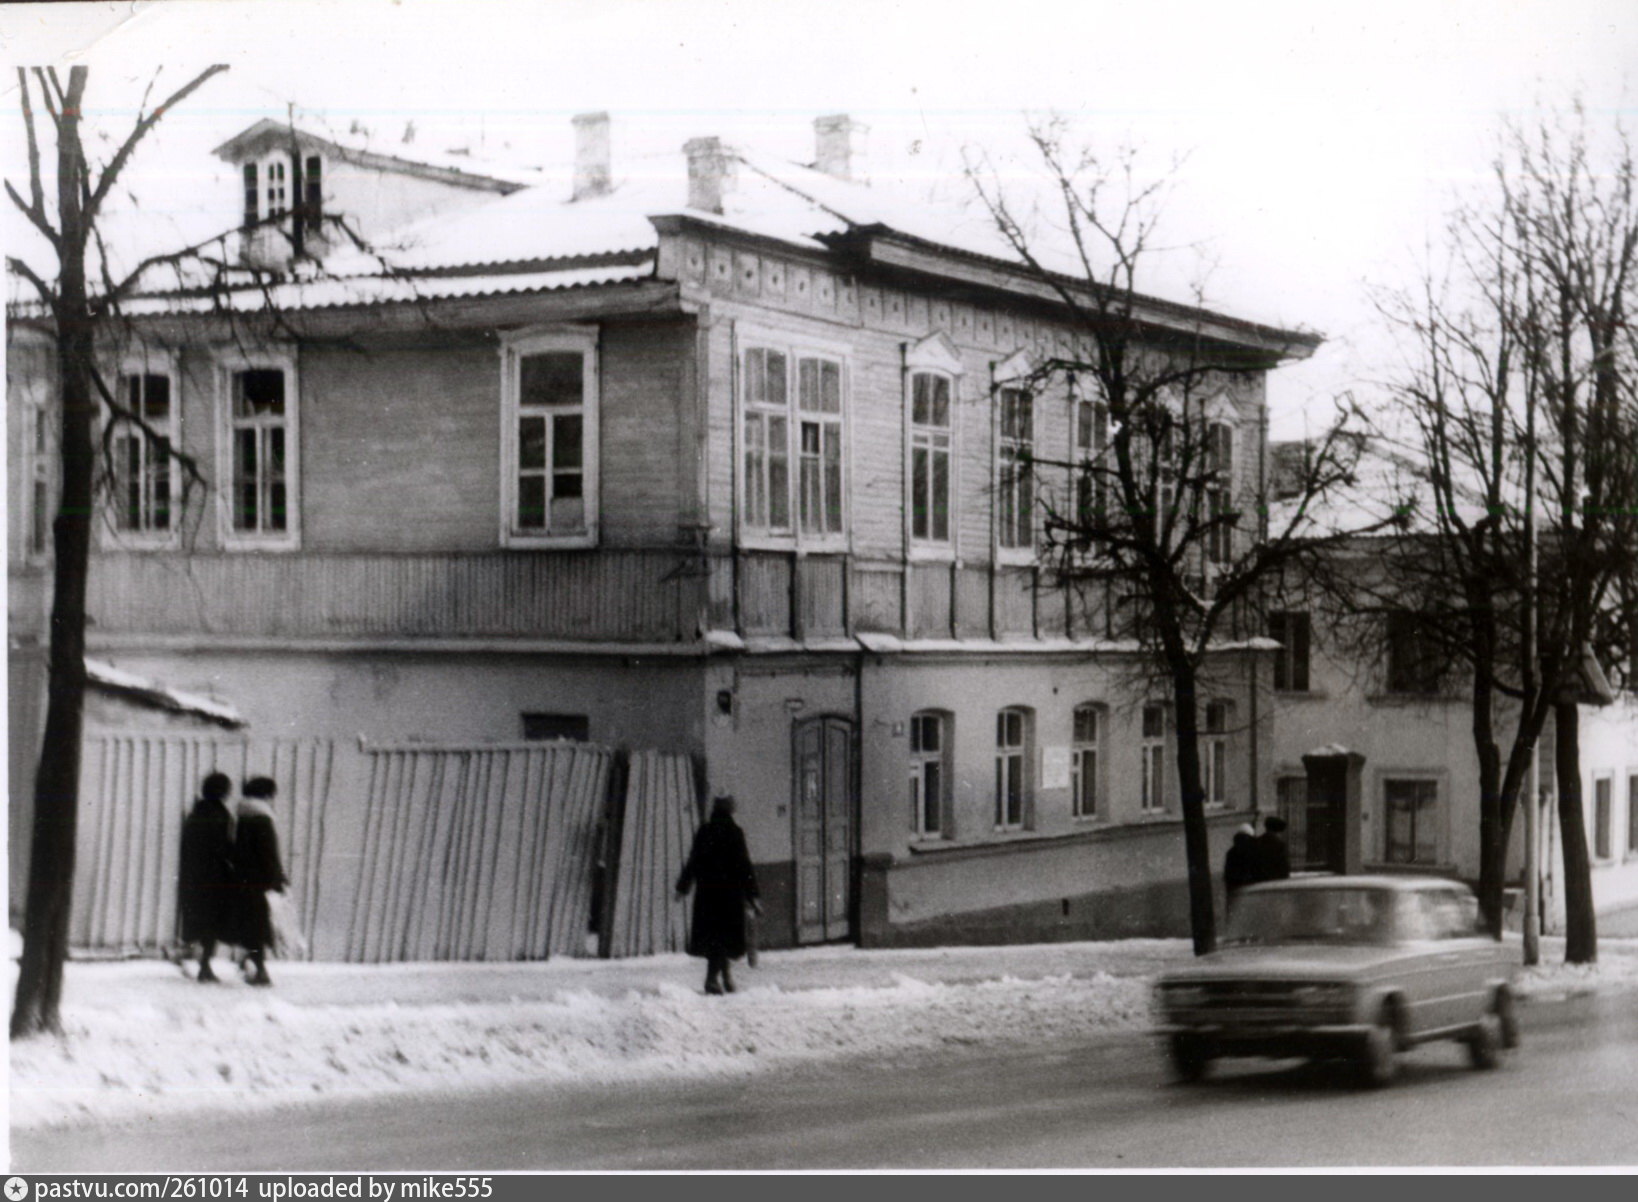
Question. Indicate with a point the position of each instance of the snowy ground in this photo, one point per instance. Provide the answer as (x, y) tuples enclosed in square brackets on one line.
[(142, 1039)]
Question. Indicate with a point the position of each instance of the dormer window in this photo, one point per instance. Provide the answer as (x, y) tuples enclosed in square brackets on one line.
[(272, 183)]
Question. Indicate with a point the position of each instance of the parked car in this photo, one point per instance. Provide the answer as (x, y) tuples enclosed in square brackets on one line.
[(1355, 967)]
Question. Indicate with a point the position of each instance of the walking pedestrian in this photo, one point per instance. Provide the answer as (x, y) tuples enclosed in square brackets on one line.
[(724, 883), (204, 879), (1240, 864), (1273, 860), (256, 861)]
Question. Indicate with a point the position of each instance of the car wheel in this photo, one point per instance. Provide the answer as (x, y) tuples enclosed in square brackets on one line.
[(1509, 1019), (1191, 1058), (1376, 1063), (1488, 1038)]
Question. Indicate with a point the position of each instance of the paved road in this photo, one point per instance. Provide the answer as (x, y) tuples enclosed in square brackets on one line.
[(1569, 1096)]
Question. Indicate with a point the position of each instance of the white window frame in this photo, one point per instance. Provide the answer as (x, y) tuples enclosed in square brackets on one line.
[(38, 495), (1014, 761), (229, 365), (1214, 748), (921, 758), (1606, 827), (924, 437), (569, 339), (267, 188), (1089, 432), (935, 355), (796, 351), (113, 534), (1152, 748), (1008, 489), (1086, 791)]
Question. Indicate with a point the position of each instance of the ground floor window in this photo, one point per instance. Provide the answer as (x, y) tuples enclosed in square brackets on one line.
[(1412, 834), (1214, 754), (1603, 844), (1011, 768), (927, 774), (1632, 813), (1083, 765), (574, 727), (1154, 758)]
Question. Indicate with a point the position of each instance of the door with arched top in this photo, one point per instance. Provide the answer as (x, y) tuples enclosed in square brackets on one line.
[(824, 815)]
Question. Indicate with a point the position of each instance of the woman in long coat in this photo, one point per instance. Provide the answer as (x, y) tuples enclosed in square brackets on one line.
[(724, 883), (256, 860), (204, 879)]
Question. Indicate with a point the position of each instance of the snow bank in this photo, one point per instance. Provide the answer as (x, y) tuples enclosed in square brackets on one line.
[(142, 1039)]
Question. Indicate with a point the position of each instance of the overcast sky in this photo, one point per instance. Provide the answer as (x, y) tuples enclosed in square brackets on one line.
[(1323, 141)]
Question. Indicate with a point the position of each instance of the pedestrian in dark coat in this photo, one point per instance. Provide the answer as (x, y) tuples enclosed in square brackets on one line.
[(1273, 860), (724, 883), (1240, 864), (256, 860), (205, 892)]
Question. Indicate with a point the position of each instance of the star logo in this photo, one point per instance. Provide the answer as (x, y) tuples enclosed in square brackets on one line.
[(16, 1189)]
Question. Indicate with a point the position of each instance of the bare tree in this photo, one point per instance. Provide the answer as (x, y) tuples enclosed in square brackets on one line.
[(1516, 412), (83, 306), (1157, 529)]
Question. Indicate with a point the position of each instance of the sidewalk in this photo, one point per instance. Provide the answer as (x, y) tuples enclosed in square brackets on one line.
[(144, 1039)]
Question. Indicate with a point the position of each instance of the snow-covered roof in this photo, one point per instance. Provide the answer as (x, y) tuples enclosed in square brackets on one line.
[(109, 679), (530, 219)]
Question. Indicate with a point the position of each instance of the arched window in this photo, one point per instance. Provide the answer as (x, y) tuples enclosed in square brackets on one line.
[(1014, 738), (929, 774), (1085, 785)]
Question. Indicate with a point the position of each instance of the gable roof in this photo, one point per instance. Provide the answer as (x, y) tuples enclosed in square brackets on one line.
[(529, 225)]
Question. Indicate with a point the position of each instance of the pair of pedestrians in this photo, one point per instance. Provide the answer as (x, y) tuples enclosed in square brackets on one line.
[(229, 864), (1253, 859)]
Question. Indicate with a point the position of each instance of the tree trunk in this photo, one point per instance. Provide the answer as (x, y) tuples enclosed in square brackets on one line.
[(57, 783), (1196, 844), (1580, 924)]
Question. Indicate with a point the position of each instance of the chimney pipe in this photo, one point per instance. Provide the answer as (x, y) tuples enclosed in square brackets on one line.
[(839, 143), (591, 155), (710, 173)]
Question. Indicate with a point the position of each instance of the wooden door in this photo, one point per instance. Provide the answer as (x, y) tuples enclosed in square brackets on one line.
[(822, 785)]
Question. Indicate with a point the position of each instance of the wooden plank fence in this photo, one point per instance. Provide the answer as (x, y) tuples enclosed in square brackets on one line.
[(478, 853), (662, 812), (473, 852), (135, 790)]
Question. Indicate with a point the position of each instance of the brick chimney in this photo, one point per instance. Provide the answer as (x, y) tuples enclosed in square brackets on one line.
[(839, 143), (591, 155), (710, 173)]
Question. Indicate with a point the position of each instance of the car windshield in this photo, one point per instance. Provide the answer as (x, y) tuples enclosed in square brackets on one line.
[(1310, 916)]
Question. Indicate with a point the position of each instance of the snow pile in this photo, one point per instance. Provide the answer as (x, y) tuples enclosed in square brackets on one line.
[(1552, 980), (232, 1047), (142, 1039)]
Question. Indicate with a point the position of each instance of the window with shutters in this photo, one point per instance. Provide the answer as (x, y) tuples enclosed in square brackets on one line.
[(550, 475)]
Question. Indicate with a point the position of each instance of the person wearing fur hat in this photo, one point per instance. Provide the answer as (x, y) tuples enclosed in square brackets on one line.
[(256, 859), (204, 879)]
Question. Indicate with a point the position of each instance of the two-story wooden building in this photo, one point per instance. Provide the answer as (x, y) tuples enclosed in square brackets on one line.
[(713, 454)]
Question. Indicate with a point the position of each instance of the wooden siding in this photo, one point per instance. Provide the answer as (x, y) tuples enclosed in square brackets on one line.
[(570, 595)]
